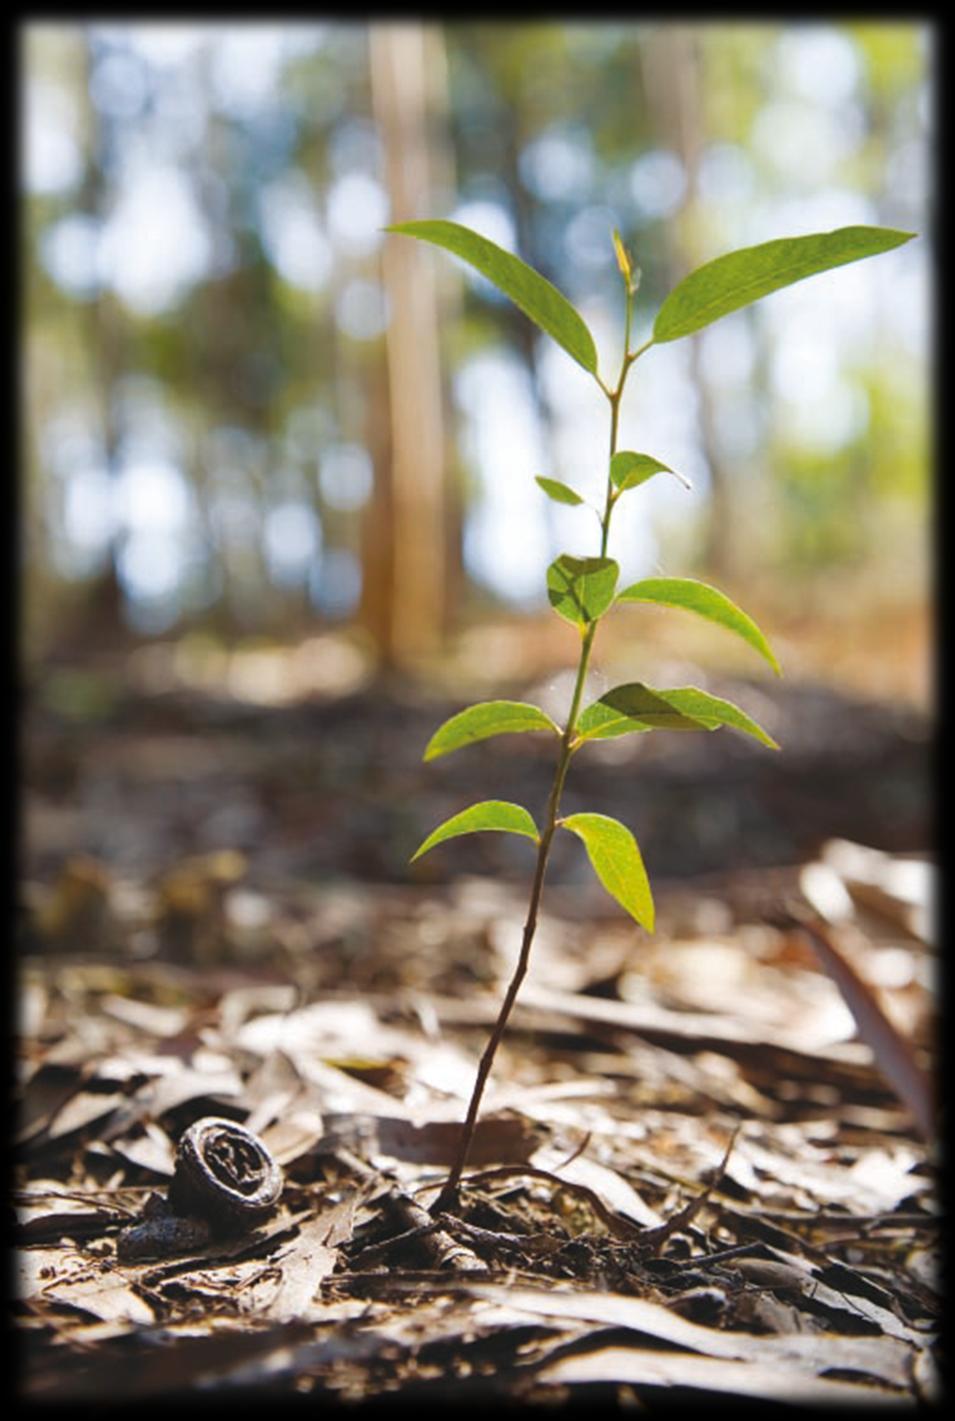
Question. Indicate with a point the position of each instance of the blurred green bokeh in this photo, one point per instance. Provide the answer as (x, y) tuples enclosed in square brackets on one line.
[(210, 422)]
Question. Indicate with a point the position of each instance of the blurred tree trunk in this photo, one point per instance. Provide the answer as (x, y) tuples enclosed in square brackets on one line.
[(672, 64), (523, 333), (99, 617), (407, 552)]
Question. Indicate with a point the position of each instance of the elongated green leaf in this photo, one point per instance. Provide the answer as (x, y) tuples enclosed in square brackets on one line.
[(740, 277), (484, 720), (713, 711), (636, 707), (628, 470), (699, 597), (581, 589), (632, 708), (559, 492), (616, 861), (533, 293), (495, 814)]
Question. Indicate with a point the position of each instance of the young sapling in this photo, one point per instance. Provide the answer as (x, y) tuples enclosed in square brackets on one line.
[(583, 589)]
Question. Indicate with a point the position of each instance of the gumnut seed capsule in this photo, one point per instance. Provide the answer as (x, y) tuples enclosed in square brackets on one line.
[(224, 1174)]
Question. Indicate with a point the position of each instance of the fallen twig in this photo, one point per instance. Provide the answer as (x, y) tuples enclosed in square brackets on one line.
[(621, 1227), (442, 1249)]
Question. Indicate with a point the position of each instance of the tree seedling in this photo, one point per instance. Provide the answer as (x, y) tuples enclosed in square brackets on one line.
[(583, 589)]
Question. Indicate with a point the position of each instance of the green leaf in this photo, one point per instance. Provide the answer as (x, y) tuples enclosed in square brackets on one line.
[(740, 277), (713, 711), (533, 293), (628, 470), (484, 720), (636, 707), (616, 861), (581, 589), (630, 708), (559, 492), (694, 596), (489, 814)]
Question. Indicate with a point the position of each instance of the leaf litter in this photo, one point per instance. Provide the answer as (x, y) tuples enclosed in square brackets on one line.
[(702, 1170), (616, 1239)]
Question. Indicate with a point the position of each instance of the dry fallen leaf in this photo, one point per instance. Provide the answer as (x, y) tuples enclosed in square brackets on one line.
[(886, 1358), (309, 1258), (765, 1381)]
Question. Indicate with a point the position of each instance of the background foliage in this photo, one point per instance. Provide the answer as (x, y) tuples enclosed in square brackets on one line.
[(210, 433)]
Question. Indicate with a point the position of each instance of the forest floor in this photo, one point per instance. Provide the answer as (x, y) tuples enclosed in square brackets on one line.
[(705, 1164)]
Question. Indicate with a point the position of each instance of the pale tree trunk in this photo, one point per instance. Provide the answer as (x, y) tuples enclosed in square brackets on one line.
[(407, 546), (673, 71), (99, 618), (523, 334)]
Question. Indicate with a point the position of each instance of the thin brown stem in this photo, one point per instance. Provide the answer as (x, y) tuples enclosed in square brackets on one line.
[(447, 1197)]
